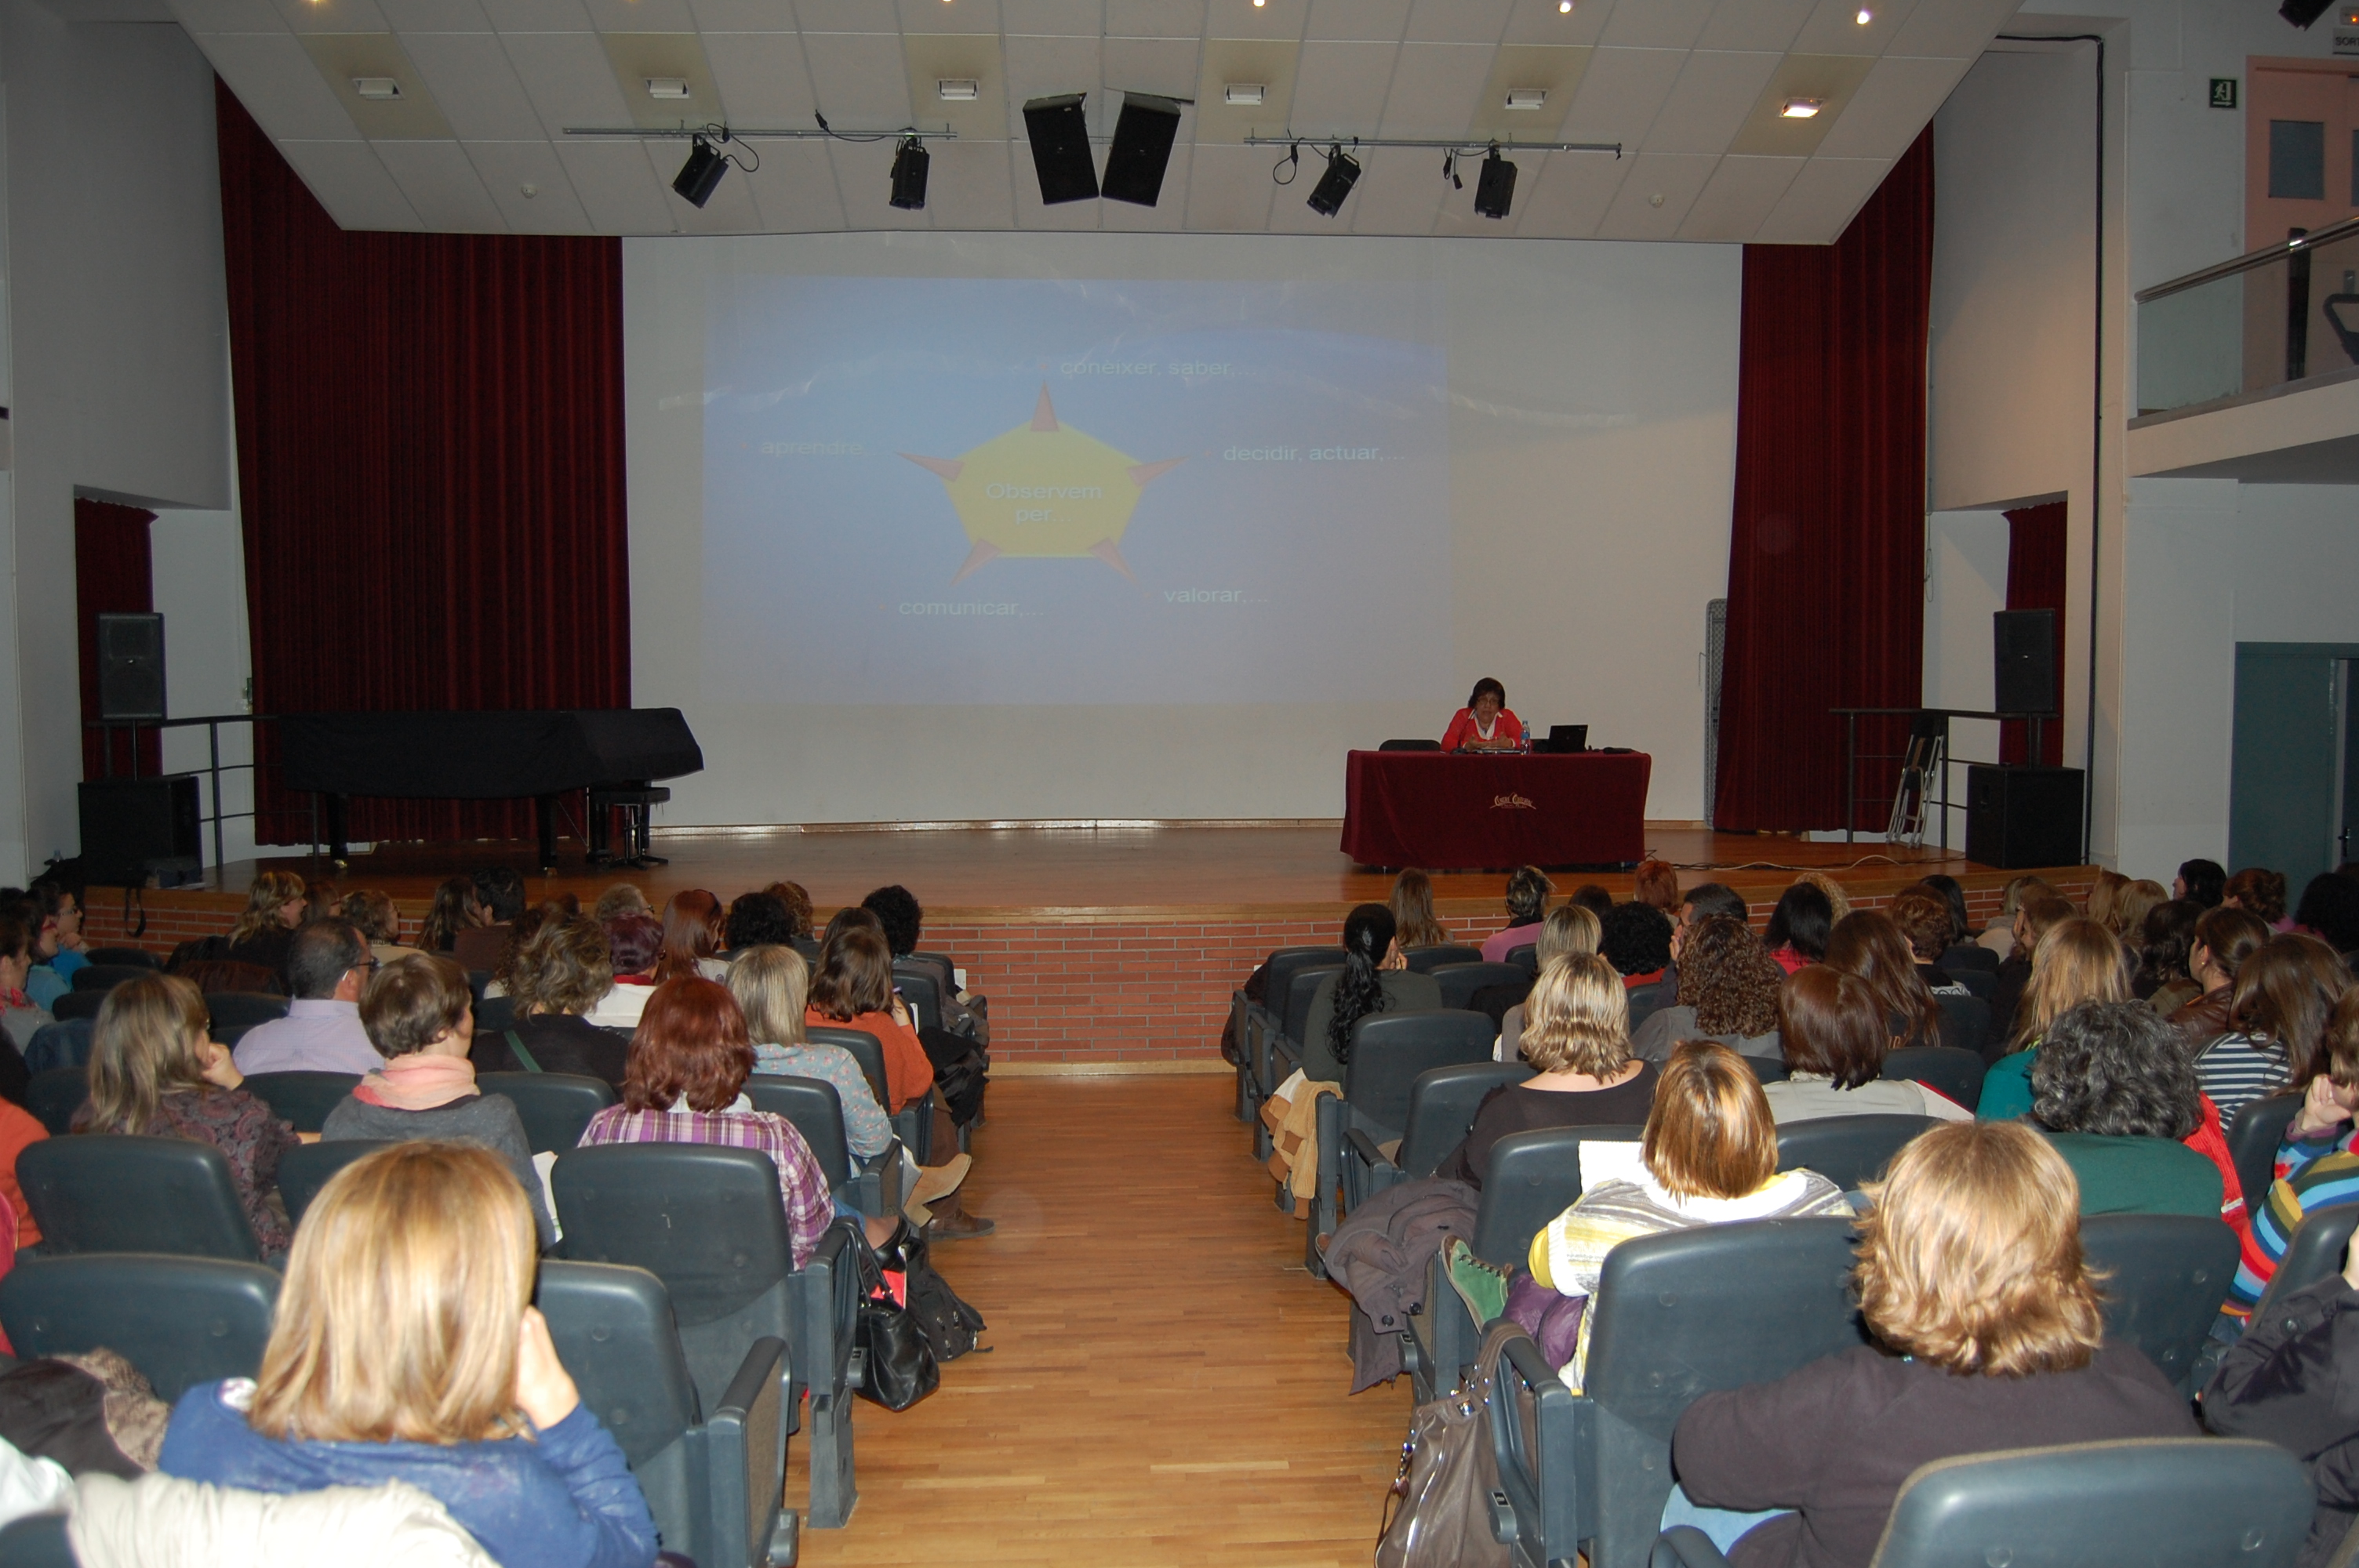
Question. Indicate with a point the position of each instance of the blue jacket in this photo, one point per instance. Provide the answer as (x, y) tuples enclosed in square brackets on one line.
[(567, 1500)]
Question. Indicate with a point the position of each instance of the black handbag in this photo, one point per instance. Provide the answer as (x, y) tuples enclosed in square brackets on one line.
[(900, 1364)]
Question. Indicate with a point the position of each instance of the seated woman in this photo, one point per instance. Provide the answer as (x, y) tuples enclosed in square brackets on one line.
[(273, 908), (1727, 992), (1569, 929), (373, 912), (772, 985), (1484, 724), (1709, 1156), (2078, 960), (1412, 906), (565, 970), (2258, 891), (756, 920), (2165, 980), (1528, 899), (691, 938), (1832, 1030), (2224, 938), (1635, 938), (405, 1348), (2285, 992), (1798, 927), (1970, 1275), (1657, 883), (1924, 924), (690, 1061), (632, 943), (2040, 914), (1583, 1074), (1374, 977), (418, 1015), (621, 899), (798, 901), (450, 913), (2114, 1089), (1999, 934), (155, 1073), (851, 988), (2317, 1166)]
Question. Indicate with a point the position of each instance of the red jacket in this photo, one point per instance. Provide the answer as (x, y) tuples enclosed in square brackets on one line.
[(1507, 726)]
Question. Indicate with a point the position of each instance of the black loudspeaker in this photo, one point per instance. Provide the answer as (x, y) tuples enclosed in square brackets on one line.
[(2018, 817), (1142, 148), (1494, 188), (131, 666), (1061, 148), (135, 829), (2024, 642)]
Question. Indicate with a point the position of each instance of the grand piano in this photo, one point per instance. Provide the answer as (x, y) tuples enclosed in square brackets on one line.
[(536, 753)]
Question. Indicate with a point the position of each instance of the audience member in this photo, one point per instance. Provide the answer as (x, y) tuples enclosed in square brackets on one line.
[(1925, 923), (2317, 1167), (2285, 992), (964, 1016), (632, 941), (1999, 935), (1635, 938), (1727, 992), (1486, 723), (1583, 1072), (1798, 927), (21, 1017), (689, 1064), (2034, 918), (691, 938), (565, 971), (1412, 906), (521, 931), (2114, 1088), (1570, 928), (772, 986), (328, 966), (2105, 895), (1866, 943), (851, 988), (498, 898), (1838, 901), (2330, 911), (1705, 899), (756, 920), (798, 906), (321, 901), (1970, 1274), (17, 1126), (1953, 894), (1528, 901), (153, 1073), (620, 900), (2257, 891), (1374, 977), (2224, 938), (372, 913), (2078, 960), (1657, 883), (2203, 883), (1835, 1034), (274, 907), (2164, 980), (447, 915), (1593, 897), (57, 946), (418, 1014), (2135, 902), (405, 1348)]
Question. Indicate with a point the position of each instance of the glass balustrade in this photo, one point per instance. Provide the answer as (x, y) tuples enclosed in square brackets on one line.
[(2286, 314)]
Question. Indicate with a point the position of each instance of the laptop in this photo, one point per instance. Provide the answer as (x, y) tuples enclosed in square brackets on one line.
[(1565, 737)]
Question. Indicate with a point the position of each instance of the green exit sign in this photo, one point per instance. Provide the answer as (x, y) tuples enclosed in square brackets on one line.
[(2224, 92)]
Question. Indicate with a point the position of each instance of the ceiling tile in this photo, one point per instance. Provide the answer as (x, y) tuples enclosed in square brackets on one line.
[(1834, 26), (344, 60), (274, 79), (351, 184), (1539, 22), (968, 186), (1819, 205), (1436, 89), (641, 58), (1155, 18), (1569, 195), (1755, 24), (332, 15), (1621, 93), (1399, 193), (1675, 179), (1832, 78), (1339, 88), (795, 191), (1171, 210), (863, 180), (1378, 21), (538, 15), (743, 17), (930, 58), (1274, 64), (476, 89), (1242, 19), (849, 15), (1952, 29), (670, 17), (1711, 99), (1051, 68), (859, 80), (1657, 23), (508, 168), (1457, 21), (1740, 196), (1074, 18), (442, 187), (569, 79), (435, 16), (951, 16), (1166, 66), (229, 16), (617, 185), (1554, 69), (1228, 193), (1890, 106), (762, 80)]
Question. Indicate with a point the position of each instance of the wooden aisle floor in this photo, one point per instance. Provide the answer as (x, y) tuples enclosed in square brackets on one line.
[(1166, 1384)]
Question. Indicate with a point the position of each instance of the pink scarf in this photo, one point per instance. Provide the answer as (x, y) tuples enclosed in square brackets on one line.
[(418, 1082)]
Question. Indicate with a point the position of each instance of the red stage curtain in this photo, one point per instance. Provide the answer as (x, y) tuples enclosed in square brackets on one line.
[(430, 441), (2034, 580), (1826, 552), (112, 576)]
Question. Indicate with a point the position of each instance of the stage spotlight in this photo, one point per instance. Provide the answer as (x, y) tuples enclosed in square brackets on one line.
[(1342, 170), (1061, 148), (1494, 189), (701, 174), (909, 165), (2302, 12)]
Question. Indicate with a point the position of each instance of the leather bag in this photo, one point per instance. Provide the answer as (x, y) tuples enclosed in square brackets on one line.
[(1441, 1498), (900, 1369)]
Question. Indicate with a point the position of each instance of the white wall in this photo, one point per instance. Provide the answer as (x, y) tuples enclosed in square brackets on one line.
[(200, 565), (1966, 584), (117, 358)]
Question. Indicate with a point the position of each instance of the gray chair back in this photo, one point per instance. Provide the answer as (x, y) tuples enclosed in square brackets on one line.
[(1278, 973), (1982, 983), (817, 1111), (1442, 1107), (303, 1099), (306, 1168), (866, 1050), (2252, 1142), (495, 1014), (2164, 1502), (1848, 1151), (1969, 958), (136, 958), (54, 1095), (1531, 1179), (65, 1043), (1425, 960), (553, 1107), (243, 1010), (1459, 982), (921, 990), (78, 1007), (112, 1193), (1767, 1070), (1954, 1072), (1965, 1023), (181, 1321), (1646, 1000), (2169, 1273), (104, 978), (1301, 989), (38, 1541), (2314, 1253), (1526, 957), (1390, 1051)]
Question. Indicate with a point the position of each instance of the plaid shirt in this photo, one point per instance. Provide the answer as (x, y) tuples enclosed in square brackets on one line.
[(811, 1207)]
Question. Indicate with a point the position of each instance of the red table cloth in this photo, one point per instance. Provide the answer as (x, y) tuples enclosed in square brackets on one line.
[(1451, 813)]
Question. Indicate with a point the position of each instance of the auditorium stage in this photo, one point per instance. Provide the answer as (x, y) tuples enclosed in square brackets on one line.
[(1110, 947)]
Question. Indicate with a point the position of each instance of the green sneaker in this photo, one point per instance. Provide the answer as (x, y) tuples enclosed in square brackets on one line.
[(1482, 1288)]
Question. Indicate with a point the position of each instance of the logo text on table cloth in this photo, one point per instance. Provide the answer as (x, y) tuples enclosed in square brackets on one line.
[(1511, 803)]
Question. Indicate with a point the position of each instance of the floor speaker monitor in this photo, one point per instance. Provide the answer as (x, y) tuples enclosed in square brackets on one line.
[(133, 830), (2021, 817)]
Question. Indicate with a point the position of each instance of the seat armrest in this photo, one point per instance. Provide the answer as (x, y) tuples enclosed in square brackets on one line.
[(826, 1311), (1538, 1510), (1685, 1546), (1371, 1158), (745, 1450), (1284, 1060)]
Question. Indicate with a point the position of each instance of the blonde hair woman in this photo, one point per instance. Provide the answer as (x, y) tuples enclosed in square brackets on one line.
[(1577, 1042), (405, 1349), (772, 985), (2077, 961), (1569, 929), (1971, 1271), (153, 1073)]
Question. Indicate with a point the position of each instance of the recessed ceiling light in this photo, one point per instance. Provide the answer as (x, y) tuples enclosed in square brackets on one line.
[(957, 90), (1864, 16), (1564, 7), (377, 88), (1801, 108), (667, 87), (1259, 4), (1250, 94), (1526, 97)]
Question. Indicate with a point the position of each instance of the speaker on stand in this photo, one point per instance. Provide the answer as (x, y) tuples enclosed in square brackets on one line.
[(131, 666)]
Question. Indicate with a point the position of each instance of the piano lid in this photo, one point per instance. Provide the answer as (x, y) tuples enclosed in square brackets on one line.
[(491, 755)]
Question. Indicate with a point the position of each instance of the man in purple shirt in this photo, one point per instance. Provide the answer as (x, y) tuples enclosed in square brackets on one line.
[(330, 964)]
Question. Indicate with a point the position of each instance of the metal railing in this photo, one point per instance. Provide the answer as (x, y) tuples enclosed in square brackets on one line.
[(1853, 756), (2251, 322), (214, 767)]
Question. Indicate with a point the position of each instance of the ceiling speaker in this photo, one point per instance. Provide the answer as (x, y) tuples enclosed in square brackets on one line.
[(1061, 148), (1142, 149)]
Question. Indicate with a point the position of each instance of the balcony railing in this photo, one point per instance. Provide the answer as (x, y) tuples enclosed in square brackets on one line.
[(2275, 317)]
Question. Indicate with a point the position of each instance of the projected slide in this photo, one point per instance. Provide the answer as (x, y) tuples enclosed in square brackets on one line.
[(983, 491)]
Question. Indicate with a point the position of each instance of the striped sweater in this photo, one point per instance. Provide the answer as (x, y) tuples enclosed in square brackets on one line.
[(2236, 1069), (1569, 1254), (2312, 1174)]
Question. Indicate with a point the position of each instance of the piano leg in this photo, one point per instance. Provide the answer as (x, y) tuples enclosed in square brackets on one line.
[(545, 810), (339, 849)]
